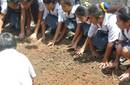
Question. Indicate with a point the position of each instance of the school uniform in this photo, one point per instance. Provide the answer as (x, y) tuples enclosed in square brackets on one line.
[(13, 16), (68, 19), (125, 37), (84, 26), (109, 27), (34, 10), (50, 17)]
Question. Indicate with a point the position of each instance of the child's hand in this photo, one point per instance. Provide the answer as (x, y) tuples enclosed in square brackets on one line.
[(124, 76), (33, 36), (103, 65), (80, 51), (51, 44)]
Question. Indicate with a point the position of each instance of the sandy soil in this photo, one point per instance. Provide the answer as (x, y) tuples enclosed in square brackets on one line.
[(56, 66)]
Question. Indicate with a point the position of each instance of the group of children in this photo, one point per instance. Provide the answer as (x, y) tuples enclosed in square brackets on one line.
[(105, 27)]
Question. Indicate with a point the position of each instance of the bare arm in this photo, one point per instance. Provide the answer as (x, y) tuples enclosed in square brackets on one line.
[(40, 14), (57, 33)]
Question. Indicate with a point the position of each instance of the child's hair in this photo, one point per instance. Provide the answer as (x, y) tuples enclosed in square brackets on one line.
[(81, 11), (94, 11), (7, 41), (124, 13), (114, 8), (49, 1), (68, 2)]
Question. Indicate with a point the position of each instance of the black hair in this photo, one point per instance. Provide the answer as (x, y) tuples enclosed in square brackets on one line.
[(124, 13), (68, 2), (7, 41), (94, 11), (81, 11), (49, 1)]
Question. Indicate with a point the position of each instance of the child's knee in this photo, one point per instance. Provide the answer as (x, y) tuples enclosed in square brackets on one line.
[(110, 45)]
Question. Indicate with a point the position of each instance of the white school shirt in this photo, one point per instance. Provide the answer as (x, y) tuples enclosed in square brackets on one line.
[(15, 68), (109, 25), (41, 5), (53, 12), (3, 4), (62, 16), (125, 36)]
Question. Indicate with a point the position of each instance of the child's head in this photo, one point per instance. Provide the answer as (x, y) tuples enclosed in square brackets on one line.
[(66, 5), (7, 41), (95, 14), (50, 4), (81, 13), (123, 17)]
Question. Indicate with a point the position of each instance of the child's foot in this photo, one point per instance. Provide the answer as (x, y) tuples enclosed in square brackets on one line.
[(21, 36)]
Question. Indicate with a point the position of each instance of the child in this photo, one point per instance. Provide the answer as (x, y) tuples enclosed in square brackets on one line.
[(123, 43), (50, 14), (82, 26), (17, 68), (106, 9), (41, 8), (105, 24), (25, 14), (66, 18), (3, 11)]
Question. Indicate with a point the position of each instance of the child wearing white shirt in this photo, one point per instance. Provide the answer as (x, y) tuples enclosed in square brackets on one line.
[(123, 43), (66, 18)]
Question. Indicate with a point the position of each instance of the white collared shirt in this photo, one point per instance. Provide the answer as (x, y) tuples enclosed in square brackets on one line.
[(62, 16), (53, 12), (125, 36), (15, 68), (109, 25)]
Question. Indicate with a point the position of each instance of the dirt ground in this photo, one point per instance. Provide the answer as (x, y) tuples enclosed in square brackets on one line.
[(56, 66)]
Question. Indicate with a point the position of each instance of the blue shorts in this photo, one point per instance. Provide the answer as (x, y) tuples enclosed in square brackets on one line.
[(71, 24), (34, 11), (85, 28), (13, 17), (51, 21)]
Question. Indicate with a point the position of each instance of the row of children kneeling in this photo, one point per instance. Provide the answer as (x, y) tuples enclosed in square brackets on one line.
[(106, 30)]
